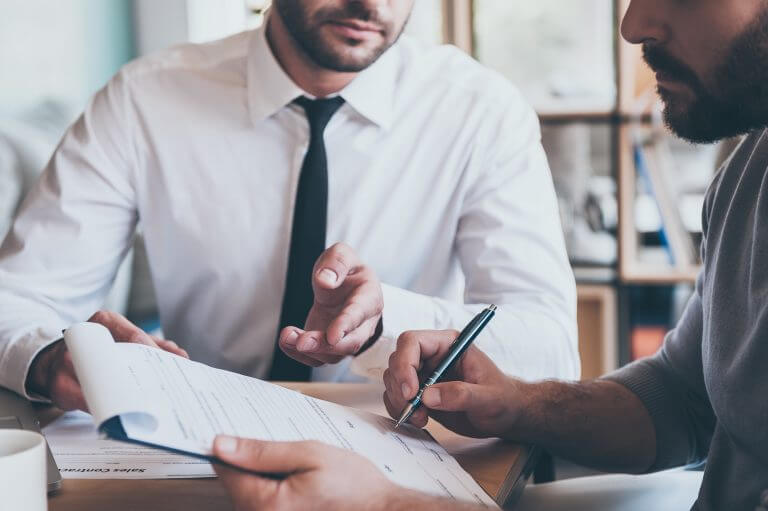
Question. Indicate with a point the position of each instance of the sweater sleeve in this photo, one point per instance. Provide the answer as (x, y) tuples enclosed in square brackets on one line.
[(671, 383), (671, 386)]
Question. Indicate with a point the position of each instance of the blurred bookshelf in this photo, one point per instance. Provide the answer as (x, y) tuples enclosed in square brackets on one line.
[(630, 192)]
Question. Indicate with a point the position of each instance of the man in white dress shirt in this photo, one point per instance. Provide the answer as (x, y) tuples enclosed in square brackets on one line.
[(439, 200)]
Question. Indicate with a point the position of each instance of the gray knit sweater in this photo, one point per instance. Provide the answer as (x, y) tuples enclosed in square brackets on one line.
[(707, 388)]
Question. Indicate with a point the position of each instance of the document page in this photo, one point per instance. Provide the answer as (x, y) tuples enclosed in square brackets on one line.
[(197, 402), (181, 404), (81, 453)]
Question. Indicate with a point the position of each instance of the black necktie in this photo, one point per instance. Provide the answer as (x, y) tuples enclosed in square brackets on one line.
[(307, 235)]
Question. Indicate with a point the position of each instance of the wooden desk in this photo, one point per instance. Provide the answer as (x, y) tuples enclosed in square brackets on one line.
[(501, 468)]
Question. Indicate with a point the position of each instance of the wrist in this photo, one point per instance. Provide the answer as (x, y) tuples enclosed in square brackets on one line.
[(536, 407), (519, 401), (400, 499), (375, 337), (38, 376)]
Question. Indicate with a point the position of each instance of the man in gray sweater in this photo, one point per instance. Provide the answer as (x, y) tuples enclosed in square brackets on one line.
[(701, 397)]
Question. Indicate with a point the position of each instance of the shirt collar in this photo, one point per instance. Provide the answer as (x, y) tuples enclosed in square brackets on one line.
[(372, 92), (270, 89)]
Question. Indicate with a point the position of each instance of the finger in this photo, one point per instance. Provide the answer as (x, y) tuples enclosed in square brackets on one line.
[(315, 343), (312, 344), (301, 357), (393, 391), (413, 349), (244, 487), (269, 457), (170, 347), (333, 266), (309, 341), (122, 329), (456, 396), (66, 392), (418, 418), (318, 359), (386, 378), (363, 308), (289, 336), (394, 410)]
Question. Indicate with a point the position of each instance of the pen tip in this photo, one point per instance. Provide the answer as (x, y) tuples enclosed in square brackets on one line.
[(492, 307)]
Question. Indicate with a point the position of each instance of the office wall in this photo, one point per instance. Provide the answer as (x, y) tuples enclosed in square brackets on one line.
[(63, 50)]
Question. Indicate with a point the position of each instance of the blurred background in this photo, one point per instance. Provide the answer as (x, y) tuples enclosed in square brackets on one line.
[(630, 194)]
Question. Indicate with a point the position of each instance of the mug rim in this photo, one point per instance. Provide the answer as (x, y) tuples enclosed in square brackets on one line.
[(31, 440)]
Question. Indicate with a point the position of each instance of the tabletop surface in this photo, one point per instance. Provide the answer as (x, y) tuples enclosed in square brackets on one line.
[(493, 463)]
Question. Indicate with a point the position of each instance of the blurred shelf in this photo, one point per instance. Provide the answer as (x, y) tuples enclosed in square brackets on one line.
[(574, 94), (597, 317), (575, 108), (643, 274), (594, 274), (555, 117)]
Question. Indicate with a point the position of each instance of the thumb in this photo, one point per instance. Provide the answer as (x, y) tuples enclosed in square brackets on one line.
[(456, 396), (245, 487), (264, 457)]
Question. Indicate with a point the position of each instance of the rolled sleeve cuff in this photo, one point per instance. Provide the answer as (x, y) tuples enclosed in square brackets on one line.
[(403, 310), (17, 359), (660, 396)]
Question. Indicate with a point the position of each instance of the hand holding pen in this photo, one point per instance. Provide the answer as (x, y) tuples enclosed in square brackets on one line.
[(475, 398)]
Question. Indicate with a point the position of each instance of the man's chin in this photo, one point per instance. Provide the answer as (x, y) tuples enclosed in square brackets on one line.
[(695, 127), (345, 57)]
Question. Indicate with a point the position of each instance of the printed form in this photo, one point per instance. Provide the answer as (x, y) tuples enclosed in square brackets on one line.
[(81, 453), (174, 402)]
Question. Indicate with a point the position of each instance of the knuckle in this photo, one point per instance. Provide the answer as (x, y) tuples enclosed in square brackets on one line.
[(136, 337), (253, 450), (312, 448), (405, 339), (461, 393), (340, 259), (99, 316), (340, 246), (386, 379)]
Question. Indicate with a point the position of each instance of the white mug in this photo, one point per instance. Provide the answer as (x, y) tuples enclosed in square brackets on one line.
[(23, 478)]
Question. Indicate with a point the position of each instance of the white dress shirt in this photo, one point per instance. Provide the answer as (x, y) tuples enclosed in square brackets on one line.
[(437, 179)]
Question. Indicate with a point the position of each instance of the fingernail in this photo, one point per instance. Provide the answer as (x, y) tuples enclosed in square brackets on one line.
[(328, 276), (290, 339), (308, 345), (432, 397), (406, 390), (226, 444)]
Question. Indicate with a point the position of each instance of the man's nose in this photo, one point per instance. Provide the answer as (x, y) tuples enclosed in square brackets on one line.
[(644, 22)]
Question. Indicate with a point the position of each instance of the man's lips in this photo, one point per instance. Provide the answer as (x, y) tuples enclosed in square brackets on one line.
[(668, 81), (355, 29)]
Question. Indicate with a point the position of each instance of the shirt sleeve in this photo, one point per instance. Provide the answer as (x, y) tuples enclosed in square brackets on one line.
[(510, 246), (61, 254)]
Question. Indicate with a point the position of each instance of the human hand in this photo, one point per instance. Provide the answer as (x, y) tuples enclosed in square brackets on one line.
[(474, 399), (345, 314), (52, 374), (312, 476)]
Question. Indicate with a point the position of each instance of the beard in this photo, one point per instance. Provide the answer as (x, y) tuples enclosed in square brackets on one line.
[(736, 100), (336, 53)]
